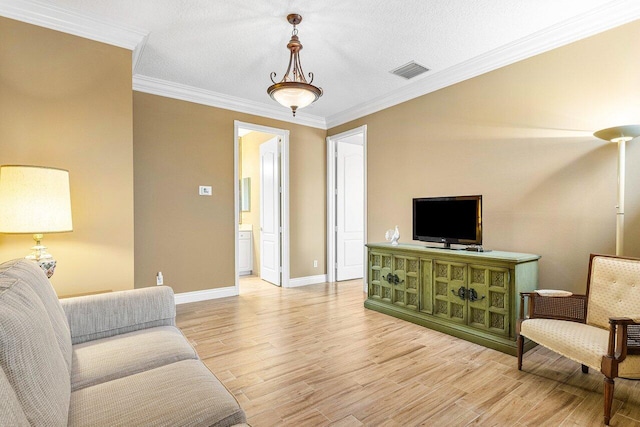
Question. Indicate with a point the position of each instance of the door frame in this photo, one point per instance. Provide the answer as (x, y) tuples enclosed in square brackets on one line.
[(284, 198), (331, 200)]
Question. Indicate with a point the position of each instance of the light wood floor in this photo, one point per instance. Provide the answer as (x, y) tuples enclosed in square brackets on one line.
[(315, 356)]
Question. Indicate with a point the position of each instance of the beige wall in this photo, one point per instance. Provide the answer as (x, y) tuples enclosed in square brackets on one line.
[(522, 137), (179, 145), (250, 167), (65, 102), (308, 205)]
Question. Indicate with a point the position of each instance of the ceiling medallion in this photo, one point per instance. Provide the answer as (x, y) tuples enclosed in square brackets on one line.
[(293, 91)]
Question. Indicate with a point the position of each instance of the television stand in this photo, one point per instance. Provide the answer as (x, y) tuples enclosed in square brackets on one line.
[(470, 295)]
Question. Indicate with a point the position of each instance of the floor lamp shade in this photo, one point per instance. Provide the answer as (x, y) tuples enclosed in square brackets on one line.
[(35, 200)]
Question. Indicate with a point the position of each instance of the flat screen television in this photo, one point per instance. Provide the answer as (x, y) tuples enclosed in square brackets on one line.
[(448, 220)]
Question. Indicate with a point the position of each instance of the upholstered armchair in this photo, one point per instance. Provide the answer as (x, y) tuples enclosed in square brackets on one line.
[(599, 330)]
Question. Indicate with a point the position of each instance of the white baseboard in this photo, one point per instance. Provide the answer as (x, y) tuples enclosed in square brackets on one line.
[(206, 294), (309, 280)]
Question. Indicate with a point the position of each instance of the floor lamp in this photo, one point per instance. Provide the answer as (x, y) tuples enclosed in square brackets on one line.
[(620, 135)]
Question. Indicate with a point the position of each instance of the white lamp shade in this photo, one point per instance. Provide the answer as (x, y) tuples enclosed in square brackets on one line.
[(294, 96), (34, 200)]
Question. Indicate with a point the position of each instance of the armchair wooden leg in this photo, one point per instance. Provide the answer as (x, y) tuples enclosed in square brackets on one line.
[(520, 342), (608, 399), (585, 369)]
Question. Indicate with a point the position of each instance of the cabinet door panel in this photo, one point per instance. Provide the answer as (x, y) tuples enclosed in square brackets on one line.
[(449, 278), (490, 311), (386, 287), (405, 291), (375, 275), (245, 264)]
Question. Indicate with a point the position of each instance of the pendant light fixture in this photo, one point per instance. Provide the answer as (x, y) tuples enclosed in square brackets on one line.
[(293, 91)]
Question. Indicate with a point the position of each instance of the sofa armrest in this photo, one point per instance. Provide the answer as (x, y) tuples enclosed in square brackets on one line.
[(98, 316)]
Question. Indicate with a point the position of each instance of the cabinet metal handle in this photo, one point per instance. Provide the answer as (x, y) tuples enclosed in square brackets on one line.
[(394, 279), (473, 296), (462, 293)]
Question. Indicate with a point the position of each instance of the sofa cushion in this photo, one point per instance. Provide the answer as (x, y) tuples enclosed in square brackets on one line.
[(184, 393), (110, 358), (11, 413), (30, 355), (34, 277)]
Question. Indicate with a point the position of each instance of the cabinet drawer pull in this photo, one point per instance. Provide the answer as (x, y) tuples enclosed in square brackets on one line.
[(462, 293), (473, 296), (393, 279)]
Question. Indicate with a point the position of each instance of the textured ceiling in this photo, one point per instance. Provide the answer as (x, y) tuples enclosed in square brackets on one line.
[(230, 47)]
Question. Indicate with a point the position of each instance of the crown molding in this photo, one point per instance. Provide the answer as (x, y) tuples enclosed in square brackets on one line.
[(71, 22), (169, 89), (593, 22), (137, 54)]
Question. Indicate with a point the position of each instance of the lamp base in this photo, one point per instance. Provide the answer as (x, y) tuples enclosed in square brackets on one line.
[(40, 256), (47, 265)]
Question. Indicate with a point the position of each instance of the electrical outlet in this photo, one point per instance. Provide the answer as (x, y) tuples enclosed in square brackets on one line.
[(315, 263), (205, 190)]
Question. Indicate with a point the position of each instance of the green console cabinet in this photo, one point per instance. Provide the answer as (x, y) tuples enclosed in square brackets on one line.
[(471, 295)]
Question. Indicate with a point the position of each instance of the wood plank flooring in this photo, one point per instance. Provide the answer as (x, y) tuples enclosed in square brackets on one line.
[(314, 356)]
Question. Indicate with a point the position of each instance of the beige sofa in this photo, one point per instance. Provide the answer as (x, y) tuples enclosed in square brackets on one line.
[(113, 359)]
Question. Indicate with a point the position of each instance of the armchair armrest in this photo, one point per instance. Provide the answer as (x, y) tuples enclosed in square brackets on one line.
[(625, 320), (98, 316), (624, 337), (572, 308)]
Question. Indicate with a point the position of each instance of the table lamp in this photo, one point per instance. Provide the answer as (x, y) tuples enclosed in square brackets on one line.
[(35, 200)]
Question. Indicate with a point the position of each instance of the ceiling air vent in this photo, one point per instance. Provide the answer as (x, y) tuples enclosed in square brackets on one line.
[(409, 70)]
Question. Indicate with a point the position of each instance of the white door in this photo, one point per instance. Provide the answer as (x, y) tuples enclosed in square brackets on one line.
[(349, 211), (270, 212)]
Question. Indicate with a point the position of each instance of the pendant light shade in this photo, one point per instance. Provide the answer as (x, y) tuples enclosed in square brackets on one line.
[(293, 91), (291, 95)]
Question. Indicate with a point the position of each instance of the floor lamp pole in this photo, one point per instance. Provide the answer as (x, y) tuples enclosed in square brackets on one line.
[(620, 206), (620, 135)]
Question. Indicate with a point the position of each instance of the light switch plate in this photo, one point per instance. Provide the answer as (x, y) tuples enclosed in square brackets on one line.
[(205, 190)]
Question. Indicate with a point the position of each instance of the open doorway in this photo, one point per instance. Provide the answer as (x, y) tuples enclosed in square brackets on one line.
[(346, 205), (261, 159)]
